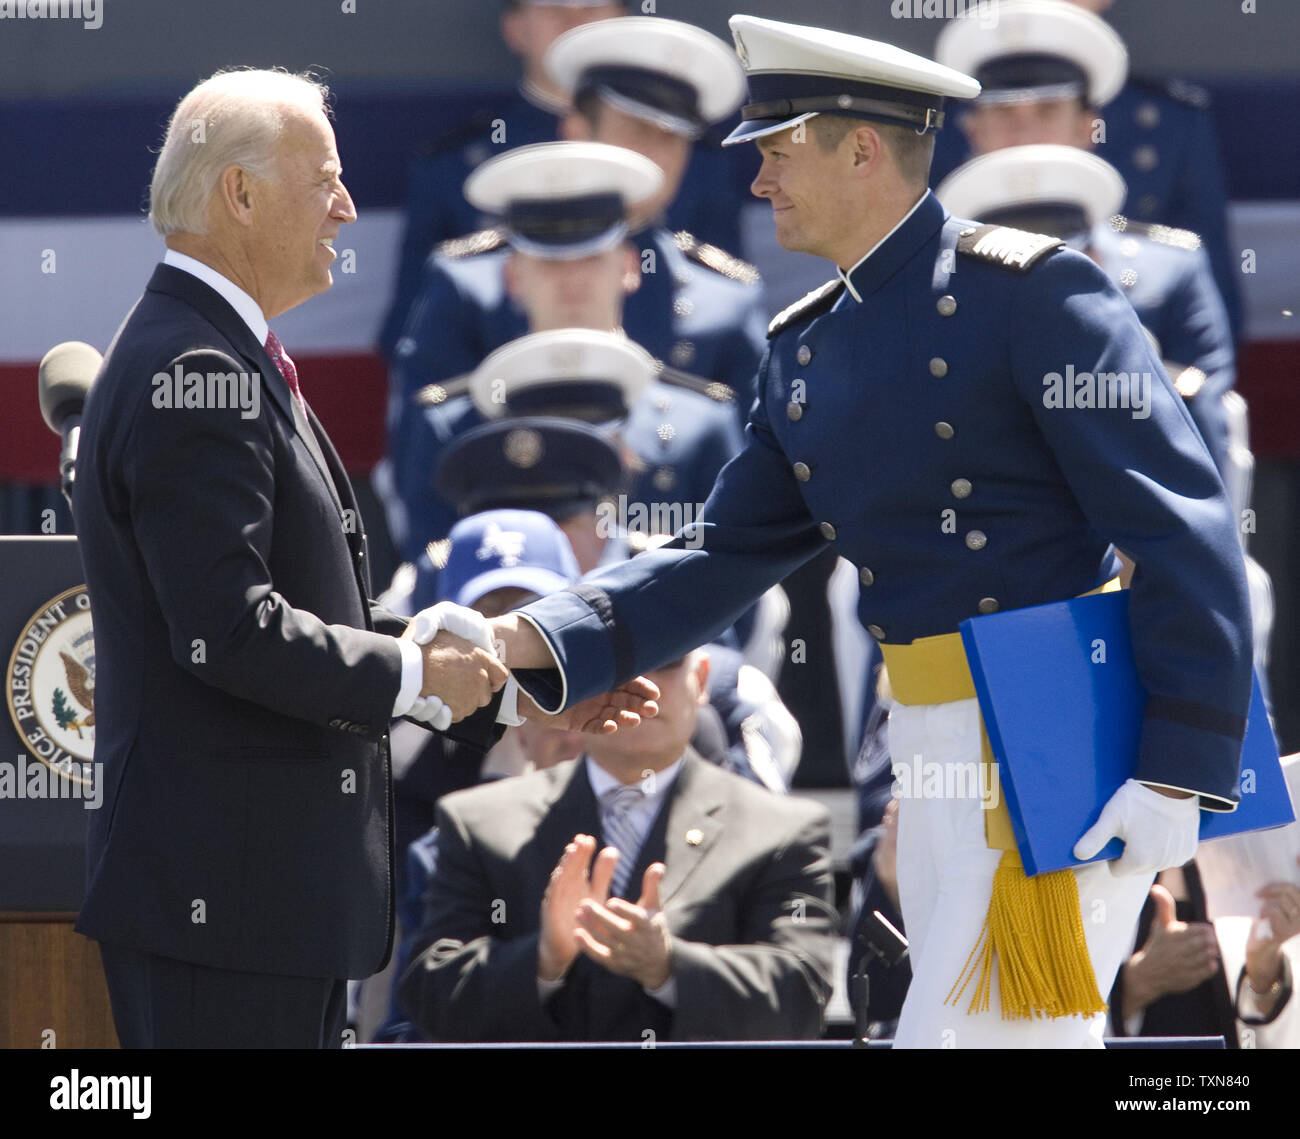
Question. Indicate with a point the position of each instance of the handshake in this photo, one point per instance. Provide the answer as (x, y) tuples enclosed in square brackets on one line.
[(464, 664)]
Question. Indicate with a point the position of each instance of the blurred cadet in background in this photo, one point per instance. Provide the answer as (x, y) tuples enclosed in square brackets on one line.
[(707, 203), (1052, 71), (567, 209)]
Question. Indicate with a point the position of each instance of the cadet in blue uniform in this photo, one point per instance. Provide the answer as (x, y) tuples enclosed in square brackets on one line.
[(1038, 61), (565, 208), (915, 413), (1164, 273), (436, 210), (707, 205)]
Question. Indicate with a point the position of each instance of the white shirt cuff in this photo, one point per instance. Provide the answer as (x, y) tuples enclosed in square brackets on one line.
[(507, 712), (412, 677), (547, 989), (665, 994)]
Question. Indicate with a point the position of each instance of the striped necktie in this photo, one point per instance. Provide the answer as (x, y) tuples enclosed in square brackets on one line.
[(285, 366), (621, 830)]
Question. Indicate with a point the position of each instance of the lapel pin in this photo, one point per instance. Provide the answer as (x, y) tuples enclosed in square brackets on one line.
[(694, 836)]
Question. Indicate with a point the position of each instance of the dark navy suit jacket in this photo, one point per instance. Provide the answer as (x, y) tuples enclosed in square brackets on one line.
[(245, 683)]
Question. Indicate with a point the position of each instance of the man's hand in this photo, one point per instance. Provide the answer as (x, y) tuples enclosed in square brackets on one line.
[(1278, 922), (630, 940), (623, 708), (573, 882), (461, 675), (1159, 831), (1176, 958), (884, 858)]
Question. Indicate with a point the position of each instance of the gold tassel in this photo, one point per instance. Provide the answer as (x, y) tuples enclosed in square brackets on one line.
[(1034, 931)]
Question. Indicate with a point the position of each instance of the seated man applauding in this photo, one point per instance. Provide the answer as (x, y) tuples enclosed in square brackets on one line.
[(705, 915)]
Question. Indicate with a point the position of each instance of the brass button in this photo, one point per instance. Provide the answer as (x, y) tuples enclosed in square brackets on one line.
[(961, 488), (804, 354), (943, 430), (976, 540), (946, 305), (828, 531), (938, 367), (988, 604), (794, 411), (1146, 158), (876, 631), (802, 472), (866, 576)]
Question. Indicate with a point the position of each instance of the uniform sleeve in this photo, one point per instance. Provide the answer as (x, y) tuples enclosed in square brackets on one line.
[(755, 530), (437, 344), (426, 224), (200, 489), (1199, 337), (1147, 484), (1202, 207)]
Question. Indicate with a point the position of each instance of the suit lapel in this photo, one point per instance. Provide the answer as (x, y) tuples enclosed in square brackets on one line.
[(571, 811), (685, 830), (215, 309)]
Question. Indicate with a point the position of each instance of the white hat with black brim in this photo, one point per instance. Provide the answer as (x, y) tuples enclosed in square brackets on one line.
[(564, 200), (559, 372), (796, 72), (672, 74), (1037, 50), (1058, 190)]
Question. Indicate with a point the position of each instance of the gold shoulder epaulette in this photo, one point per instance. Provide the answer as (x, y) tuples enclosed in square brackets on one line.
[(1164, 234), (432, 395), (484, 241), (439, 551), (1015, 249), (809, 305), (719, 260), (716, 390)]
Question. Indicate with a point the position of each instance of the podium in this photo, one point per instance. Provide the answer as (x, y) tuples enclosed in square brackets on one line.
[(52, 986)]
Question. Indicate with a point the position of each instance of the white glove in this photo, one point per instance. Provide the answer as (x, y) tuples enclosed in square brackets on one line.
[(1158, 832), (468, 624)]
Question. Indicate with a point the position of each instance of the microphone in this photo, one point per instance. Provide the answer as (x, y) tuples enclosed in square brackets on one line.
[(63, 382)]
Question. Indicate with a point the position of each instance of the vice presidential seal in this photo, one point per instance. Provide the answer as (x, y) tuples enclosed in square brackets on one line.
[(50, 685)]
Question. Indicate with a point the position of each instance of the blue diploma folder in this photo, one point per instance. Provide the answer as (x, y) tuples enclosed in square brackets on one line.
[(1065, 730)]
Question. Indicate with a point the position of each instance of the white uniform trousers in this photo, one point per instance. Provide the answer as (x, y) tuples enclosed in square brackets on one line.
[(945, 879)]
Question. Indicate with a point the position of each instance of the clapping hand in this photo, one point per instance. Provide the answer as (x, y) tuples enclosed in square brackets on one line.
[(1278, 922), (573, 882), (630, 940)]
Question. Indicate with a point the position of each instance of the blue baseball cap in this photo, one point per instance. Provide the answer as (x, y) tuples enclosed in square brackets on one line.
[(506, 549)]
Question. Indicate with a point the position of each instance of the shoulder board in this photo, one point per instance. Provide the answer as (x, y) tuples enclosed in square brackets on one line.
[(1164, 234), (719, 260), (434, 395), (478, 123), (806, 307), (714, 389), (472, 244), (439, 551), (1014, 249), (1179, 90)]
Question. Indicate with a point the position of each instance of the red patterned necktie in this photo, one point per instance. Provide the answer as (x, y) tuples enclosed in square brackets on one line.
[(280, 358)]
